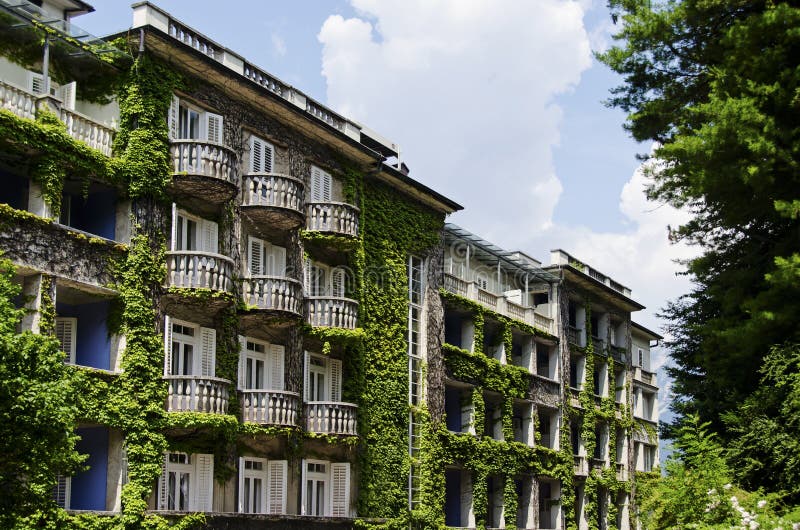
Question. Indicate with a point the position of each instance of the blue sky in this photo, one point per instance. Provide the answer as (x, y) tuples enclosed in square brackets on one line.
[(496, 103)]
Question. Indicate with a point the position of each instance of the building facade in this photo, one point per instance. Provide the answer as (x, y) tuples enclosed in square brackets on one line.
[(276, 325)]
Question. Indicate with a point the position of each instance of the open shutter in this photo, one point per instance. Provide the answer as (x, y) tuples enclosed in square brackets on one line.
[(255, 256), (308, 278), (36, 82), (213, 127), (172, 118), (303, 466), (173, 240), (276, 486), (242, 361), (275, 360), (208, 348), (204, 465), (66, 332), (269, 155), (210, 235), (340, 489), (316, 183), (256, 155), (67, 94), (327, 185), (167, 346), (241, 485), (337, 282), (61, 491), (335, 368), (306, 360), (162, 485)]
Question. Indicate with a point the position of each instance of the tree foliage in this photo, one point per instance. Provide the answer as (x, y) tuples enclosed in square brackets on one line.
[(716, 83), (37, 413)]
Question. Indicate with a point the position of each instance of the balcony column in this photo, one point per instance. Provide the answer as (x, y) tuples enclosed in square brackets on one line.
[(32, 290)]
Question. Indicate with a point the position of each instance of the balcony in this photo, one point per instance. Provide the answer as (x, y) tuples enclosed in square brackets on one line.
[(644, 376), (270, 407), (581, 466), (271, 200), (203, 170), (619, 354), (273, 293), (199, 270), (196, 393), (328, 417), (622, 472), (498, 303), (80, 127), (329, 311), (333, 217)]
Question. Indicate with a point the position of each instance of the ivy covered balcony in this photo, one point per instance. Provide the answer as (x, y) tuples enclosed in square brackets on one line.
[(197, 393), (329, 417), (199, 270), (336, 218), (331, 311), (275, 295), (272, 200), (271, 407), (203, 170)]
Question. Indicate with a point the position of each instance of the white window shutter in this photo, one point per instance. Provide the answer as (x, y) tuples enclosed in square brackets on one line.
[(62, 491), (66, 333), (213, 127), (340, 489), (174, 235), (241, 485), (308, 277), (337, 282), (242, 361), (67, 94), (210, 236), (208, 349), (276, 354), (167, 346), (36, 82), (303, 466), (204, 465), (279, 260), (316, 183), (306, 360), (276, 486), (269, 155), (162, 485), (335, 368), (327, 185), (172, 118), (256, 154), (255, 250)]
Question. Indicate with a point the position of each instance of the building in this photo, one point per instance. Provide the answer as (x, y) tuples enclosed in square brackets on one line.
[(275, 315)]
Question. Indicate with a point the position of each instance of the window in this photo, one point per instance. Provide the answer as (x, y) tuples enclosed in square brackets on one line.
[(261, 155), (265, 259), (262, 485), (323, 378), (66, 333), (187, 122), (189, 349), (640, 356), (191, 233), (322, 280), (415, 301), (261, 365), (326, 489), (321, 185), (482, 282), (186, 482), (66, 93)]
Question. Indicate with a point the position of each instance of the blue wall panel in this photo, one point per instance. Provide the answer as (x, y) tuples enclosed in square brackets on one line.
[(92, 345), (89, 487)]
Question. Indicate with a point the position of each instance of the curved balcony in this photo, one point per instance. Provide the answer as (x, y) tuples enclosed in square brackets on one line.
[(270, 407), (329, 417), (197, 393), (270, 300), (199, 270), (272, 200), (203, 170), (334, 312), (333, 217)]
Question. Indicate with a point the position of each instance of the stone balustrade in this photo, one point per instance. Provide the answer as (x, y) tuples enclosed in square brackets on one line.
[(498, 303), (18, 101), (274, 191), (270, 407), (199, 270), (330, 311), (328, 417), (88, 131), (581, 466), (202, 158), (273, 292), (196, 393), (335, 217)]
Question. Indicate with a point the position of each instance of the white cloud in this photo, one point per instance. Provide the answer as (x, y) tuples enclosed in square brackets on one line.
[(467, 88), (278, 45)]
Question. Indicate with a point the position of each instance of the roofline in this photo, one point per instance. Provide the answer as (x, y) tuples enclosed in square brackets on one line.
[(646, 331), (605, 287), (82, 9), (451, 205)]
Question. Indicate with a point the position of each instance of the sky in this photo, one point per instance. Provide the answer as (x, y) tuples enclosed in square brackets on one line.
[(497, 104)]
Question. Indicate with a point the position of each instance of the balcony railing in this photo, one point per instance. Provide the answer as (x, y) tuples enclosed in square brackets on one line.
[(581, 466), (498, 303), (336, 217), (270, 407), (80, 127), (273, 292), (200, 270), (330, 417), (644, 376), (88, 131), (202, 158), (195, 393), (334, 312), (574, 335), (622, 472), (619, 354), (274, 191)]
